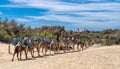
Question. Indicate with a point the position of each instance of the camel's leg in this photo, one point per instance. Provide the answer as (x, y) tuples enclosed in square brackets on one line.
[(73, 47), (85, 44), (50, 48), (64, 48), (26, 54), (58, 48), (39, 48), (28, 49), (18, 56), (82, 45), (88, 44), (54, 49), (68, 47), (38, 51), (42, 46), (45, 49), (14, 55), (31, 53), (78, 47)]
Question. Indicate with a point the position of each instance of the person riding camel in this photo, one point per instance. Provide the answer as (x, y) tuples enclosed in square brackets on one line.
[(26, 39), (35, 38), (73, 40), (15, 40), (46, 39)]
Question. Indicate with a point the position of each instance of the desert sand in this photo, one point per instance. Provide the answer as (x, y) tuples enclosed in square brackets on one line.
[(94, 57)]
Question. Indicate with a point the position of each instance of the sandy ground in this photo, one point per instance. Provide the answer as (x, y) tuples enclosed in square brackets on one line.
[(94, 57)]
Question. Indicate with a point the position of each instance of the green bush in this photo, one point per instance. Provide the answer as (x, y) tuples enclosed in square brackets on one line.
[(4, 37), (48, 34)]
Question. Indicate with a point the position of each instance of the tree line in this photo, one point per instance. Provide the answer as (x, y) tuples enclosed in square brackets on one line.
[(8, 29)]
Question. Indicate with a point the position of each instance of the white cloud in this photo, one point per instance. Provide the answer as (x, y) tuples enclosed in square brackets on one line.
[(1, 13), (89, 14), (90, 19), (56, 18), (23, 20), (82, 17), (56, 5)]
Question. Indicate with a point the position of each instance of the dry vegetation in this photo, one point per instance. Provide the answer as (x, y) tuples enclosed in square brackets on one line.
[(8, 29)]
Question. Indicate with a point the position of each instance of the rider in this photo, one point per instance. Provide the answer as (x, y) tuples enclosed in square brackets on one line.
[(73, 39), (58, 35), (15, 40), (35, 38), (40, 38), (46, 39), (26, 39)]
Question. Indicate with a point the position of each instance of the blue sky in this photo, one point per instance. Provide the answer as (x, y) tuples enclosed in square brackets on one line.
[(89, 14)]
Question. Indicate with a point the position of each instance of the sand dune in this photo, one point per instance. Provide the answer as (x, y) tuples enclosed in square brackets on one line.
[(94, 57)]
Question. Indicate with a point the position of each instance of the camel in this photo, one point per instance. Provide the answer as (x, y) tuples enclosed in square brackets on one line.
[(80, 45), (64, 46), (44, 46), (88, 43), (18, 49), (35, 45), (73, 42), (54, 46)]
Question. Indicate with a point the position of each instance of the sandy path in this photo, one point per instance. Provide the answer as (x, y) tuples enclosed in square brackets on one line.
[(95, 57)]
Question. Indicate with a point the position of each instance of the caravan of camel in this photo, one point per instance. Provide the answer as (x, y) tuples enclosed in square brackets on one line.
[(45, 45)]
